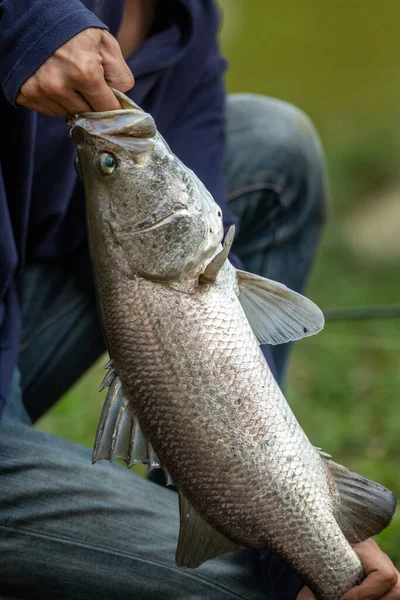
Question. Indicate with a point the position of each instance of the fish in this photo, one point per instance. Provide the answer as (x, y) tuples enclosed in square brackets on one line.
[(189, 389)]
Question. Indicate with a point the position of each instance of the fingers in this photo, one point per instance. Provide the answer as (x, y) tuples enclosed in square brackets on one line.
[(74, 102), (51, 97), (116, 72), (77, 76), (122, 81), (381, 575), (305, 594), (44, 106), (78, 86), (394, 593), (376, 585), (99, 96)]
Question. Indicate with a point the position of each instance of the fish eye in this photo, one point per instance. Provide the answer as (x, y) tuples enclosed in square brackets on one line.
[(107, 163)]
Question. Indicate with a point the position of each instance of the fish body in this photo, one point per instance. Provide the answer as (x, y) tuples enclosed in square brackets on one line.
[(180, 323)]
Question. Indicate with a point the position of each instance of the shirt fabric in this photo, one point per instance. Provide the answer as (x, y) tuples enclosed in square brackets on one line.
[(179, 80)]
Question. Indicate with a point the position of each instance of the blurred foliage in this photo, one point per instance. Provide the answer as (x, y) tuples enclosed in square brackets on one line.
[(338, 61)]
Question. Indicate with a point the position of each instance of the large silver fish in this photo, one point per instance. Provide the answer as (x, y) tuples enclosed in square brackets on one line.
[(189, 385)]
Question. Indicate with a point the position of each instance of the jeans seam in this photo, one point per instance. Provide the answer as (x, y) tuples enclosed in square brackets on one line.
[(26, 340), (120, 553), (254, 187)]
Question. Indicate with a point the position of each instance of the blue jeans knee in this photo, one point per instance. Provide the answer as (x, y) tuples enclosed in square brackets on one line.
[(273, 148), (277, 187)]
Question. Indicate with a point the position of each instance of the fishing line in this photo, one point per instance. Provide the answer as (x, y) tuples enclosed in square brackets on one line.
[(353, 340), (385, 311)]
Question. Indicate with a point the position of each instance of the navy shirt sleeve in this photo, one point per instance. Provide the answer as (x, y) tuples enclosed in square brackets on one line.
[(31, 30)]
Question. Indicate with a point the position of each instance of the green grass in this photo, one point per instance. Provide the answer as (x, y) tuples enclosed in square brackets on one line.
[(339, 62)]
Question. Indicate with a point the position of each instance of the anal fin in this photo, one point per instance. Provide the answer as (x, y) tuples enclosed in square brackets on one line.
[(198, 540)]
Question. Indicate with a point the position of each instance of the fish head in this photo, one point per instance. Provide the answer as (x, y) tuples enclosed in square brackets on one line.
[(163, 220)]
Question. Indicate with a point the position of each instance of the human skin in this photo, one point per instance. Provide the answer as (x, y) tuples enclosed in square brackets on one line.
[(78, 76), (382, 578)]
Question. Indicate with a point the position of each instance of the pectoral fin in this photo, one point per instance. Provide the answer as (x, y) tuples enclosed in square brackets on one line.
[(213, 268), (198, 541), (276, 313)]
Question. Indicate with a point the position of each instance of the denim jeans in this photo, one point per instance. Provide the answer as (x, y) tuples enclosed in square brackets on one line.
[(70, 530)]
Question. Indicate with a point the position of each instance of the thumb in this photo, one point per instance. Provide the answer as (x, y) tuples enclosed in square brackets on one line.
[(305, 594)]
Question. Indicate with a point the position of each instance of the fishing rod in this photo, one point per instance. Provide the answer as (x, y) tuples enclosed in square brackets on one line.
[(382, 311)]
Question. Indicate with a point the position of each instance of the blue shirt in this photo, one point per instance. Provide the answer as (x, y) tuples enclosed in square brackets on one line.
[(179, 80)]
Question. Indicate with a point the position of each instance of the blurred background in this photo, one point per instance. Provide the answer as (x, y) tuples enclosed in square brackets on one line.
[(339, 61)]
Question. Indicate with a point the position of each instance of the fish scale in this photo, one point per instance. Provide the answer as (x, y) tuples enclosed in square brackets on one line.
[(187, 375), (175, 391)]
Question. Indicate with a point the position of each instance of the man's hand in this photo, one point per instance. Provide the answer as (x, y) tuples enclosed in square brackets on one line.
[(382, 578), (76, 77)]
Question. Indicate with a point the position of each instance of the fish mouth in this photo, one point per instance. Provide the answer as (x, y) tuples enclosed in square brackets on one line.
[(127, 105), (145, 225), (128, 126)]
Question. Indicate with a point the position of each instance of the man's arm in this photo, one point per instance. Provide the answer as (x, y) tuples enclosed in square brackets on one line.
[(57, 57)]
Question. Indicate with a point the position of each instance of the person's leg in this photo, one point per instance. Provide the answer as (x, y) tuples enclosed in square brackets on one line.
[(61, 335), (69, 529), (276, 183)]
